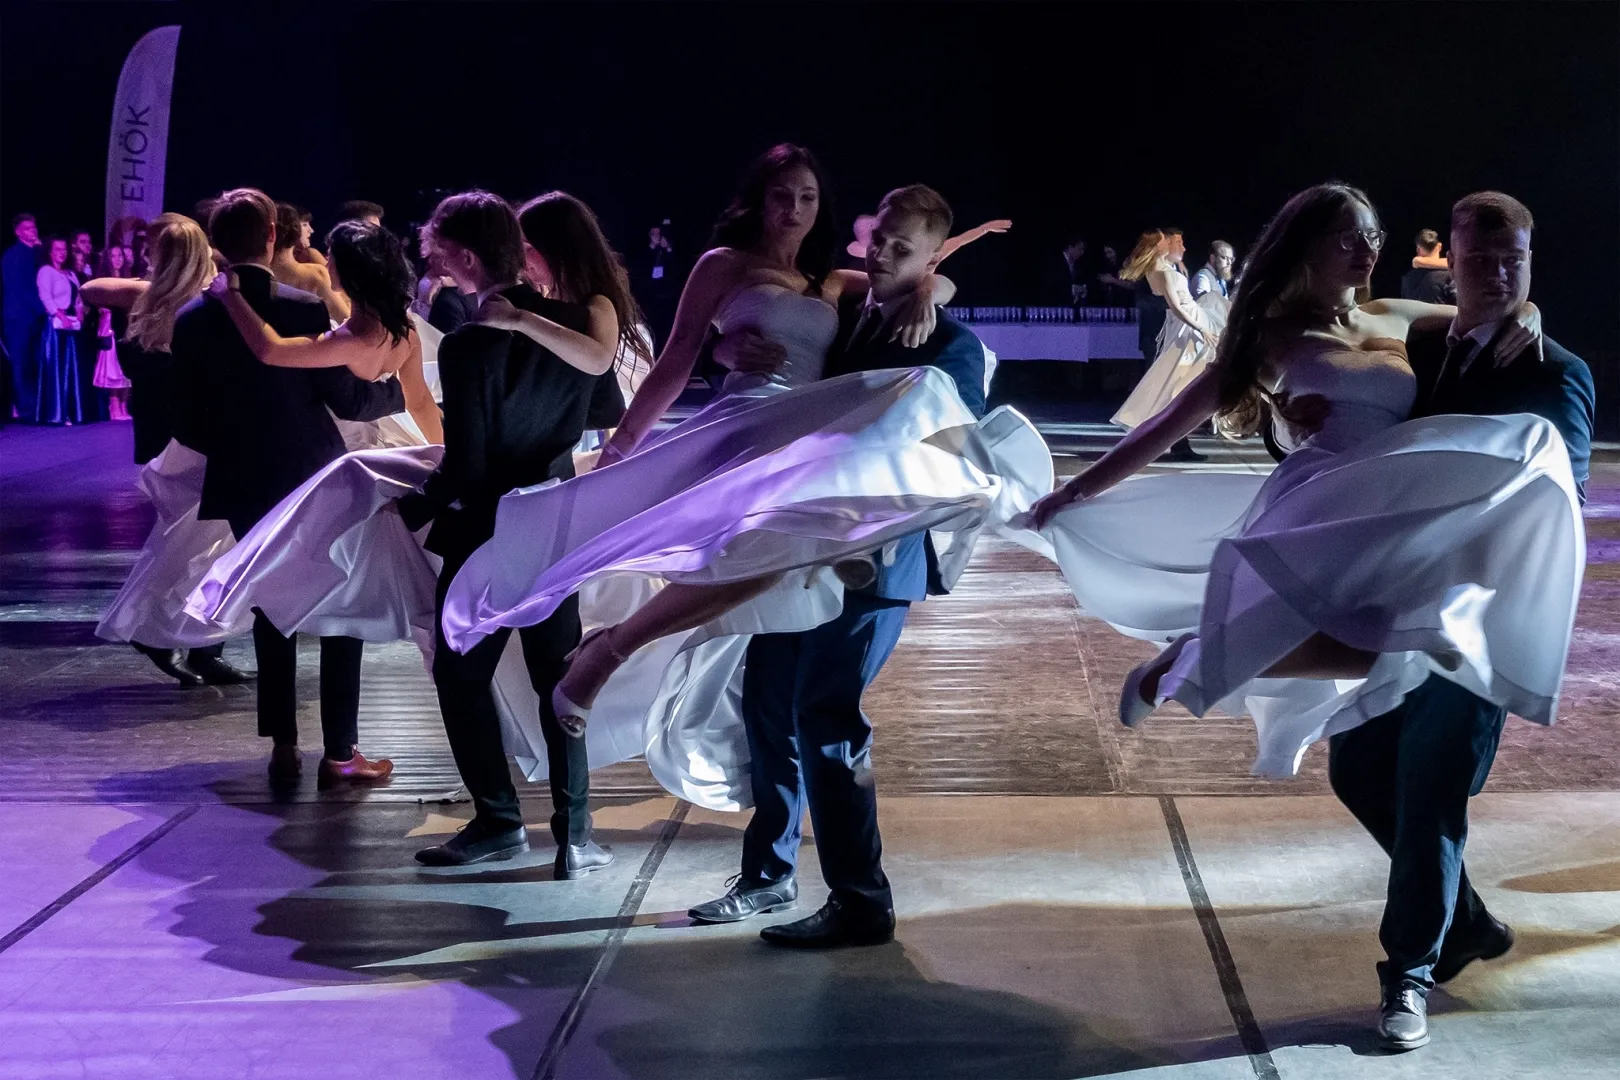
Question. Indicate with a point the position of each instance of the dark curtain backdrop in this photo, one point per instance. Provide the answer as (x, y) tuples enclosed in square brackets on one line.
[(1104, 116)]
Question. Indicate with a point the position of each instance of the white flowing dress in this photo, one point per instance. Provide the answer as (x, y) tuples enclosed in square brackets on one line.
[(779, 476), (180, 551), (1183, 352), (1449, 544)]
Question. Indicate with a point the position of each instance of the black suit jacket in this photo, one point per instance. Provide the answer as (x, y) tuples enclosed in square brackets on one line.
[(264, 429), (513, 411), (914, 572), (1559, 390)]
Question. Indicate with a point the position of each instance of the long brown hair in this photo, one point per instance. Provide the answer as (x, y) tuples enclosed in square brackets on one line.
[(182, 266), (567, 235), (1142, 256), (742, 223), (1274, 287)]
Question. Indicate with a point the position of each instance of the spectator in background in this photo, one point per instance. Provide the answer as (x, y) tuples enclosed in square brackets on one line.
[(285, 268), (57, 396), (1216, 274), (448, 307), (82, 256), (361, 210), (1429, 279), (302, 250), (1065, 285), (1112, 290), (657, 281), (24, 318), (109, 324)]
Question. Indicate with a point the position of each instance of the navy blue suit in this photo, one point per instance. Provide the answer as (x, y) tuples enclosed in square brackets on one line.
[(808, 738), (1407, 776), (24, 319)]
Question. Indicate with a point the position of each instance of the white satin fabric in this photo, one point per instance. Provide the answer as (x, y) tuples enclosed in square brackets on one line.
[(151, 606), (1451, 544), (180, 551), (1183, 355), (762, 484)]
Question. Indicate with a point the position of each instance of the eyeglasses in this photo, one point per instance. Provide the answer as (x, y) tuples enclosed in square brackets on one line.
[(1373, 238)]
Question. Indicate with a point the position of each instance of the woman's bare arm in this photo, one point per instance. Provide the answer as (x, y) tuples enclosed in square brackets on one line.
[(111, 292), (962, 240), (712, 279), (592, 352), (367, 361), (1525, 333), (912, 320), (1143, 446), (418, 398)]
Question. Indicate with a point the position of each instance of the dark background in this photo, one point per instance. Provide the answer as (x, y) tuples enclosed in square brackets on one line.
[(1108, 117)]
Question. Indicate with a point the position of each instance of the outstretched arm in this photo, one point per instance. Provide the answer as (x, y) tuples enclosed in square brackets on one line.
[(329, 350), (962, 240), (112, 292), (592, 352), (712, 280), (1189, 409)]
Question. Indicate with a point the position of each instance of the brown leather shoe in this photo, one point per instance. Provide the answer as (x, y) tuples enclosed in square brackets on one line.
[(286, 763), (357, 770)]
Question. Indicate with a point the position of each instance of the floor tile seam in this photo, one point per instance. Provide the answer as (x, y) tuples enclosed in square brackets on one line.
[(569, 1022), (1107, 737), (102, 873), (1248, 1030)]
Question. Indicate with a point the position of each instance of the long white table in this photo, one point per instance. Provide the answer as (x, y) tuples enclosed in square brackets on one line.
[(1077, 342)]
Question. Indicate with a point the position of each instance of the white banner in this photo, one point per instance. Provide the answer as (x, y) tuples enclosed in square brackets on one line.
[(139, 143)]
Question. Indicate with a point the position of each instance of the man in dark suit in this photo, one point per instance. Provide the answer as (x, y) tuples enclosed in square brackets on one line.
[(513, 411), (809, 741), (24, 317), (1065, 282), (265, 430), (1408, 775)]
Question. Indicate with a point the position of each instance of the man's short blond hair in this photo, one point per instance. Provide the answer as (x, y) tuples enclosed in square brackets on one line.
[(921, 201)]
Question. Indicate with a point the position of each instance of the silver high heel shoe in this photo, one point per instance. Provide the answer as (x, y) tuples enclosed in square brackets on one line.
[(571, 717)]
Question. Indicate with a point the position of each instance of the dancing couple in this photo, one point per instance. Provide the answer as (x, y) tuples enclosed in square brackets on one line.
[(1403, 580), (782, 530)]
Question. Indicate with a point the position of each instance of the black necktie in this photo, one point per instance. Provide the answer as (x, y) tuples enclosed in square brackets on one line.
[(1446, 383), (866, 328)]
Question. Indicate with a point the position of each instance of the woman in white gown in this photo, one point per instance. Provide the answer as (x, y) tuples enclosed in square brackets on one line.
[(733, 523), (1186, 344), (1378, 553), (181, 553)]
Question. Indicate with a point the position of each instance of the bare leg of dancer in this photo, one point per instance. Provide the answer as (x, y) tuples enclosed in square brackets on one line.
[(1317, 657), (676, 608)]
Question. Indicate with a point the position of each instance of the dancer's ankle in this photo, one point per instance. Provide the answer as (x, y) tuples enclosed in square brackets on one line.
[(595, 661)]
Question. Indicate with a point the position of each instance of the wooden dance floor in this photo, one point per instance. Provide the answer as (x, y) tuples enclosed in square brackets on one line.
[(1074, 899)]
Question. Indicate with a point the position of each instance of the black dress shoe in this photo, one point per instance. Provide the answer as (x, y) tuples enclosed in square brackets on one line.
[(215, 671), (172, 662), (1403, 1017), (1492, 941), (747, 898), (474, 844), (577, 860), (286, 764), (1183, 452), (832, 927)]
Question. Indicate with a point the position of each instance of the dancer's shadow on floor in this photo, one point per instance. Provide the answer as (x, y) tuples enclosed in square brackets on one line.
[(282, 891)]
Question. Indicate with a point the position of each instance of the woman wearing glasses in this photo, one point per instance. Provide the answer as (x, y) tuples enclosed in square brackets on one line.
[(1378, 553)]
